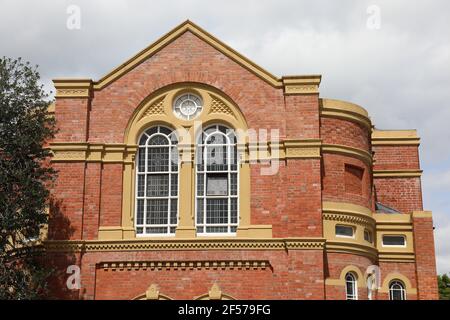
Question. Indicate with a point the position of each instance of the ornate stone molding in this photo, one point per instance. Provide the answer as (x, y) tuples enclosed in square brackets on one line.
[(301, 84), (92, 152), (363, 221), (73, 88), (220, 107), (352, 248), (185, 265), (395, 138), (156, 108), (185, 244), (360, 154), (339, 109)]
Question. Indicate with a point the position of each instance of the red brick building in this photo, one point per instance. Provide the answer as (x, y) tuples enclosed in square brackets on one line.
[(168, 189)]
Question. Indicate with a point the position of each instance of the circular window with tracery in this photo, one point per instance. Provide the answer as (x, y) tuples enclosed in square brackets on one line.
[(188, 106)]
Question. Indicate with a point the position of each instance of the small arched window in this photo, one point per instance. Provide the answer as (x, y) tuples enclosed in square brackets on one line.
[(217, 187), (397, 290), (351, 286), (157, 182)]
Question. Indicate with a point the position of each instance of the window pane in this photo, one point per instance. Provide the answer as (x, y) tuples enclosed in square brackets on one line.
[(233, 210), (174, 184), (174, 159), (158, 140), (199, 159), (140, 212), (143, 140), (156, 230), (200, 183), (234, 184), (141, 160), (216, 158), (216, 229), (200, 211), (216, 211), (158, 159), (141, 185), (165, 130), (345, 231), (217, 184), (157, 211), (173, 211), (393, 240), (157, 185), (151, 131)]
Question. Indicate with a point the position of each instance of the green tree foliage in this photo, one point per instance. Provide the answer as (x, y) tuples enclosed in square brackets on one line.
[(444, 287), (25, 126)]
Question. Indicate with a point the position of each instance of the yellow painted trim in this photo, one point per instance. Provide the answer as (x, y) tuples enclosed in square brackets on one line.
[(215, 293), (344, 246), (73, 88), (395, 137), (185, 244), (360, 279), (186, 265), (394, 276), (333, 108), (345, 207), (152, 293), (406, 173), (422, 214), (360, 154), (301, 84), (301, 148)]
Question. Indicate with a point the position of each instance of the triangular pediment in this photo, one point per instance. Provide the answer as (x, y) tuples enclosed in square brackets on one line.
[(173, 36)]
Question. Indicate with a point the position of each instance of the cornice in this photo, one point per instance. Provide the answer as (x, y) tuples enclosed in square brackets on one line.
[(339, 109), (351, 247), (301, 84), (360, 154), (402, 173), (185, 244), (185, 265), (395, 138), (73, 88)]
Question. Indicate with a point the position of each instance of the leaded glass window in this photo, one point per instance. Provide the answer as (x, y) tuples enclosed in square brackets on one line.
[(217, 181), (157, 182)]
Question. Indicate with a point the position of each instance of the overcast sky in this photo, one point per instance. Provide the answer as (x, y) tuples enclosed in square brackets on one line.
[(398, 67)]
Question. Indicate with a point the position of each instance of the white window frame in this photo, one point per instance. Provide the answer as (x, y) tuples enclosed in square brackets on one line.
[(200, 144), (176, 108), (402, 289), (145, 173), (354, 282), (393, 245), (342, 235)]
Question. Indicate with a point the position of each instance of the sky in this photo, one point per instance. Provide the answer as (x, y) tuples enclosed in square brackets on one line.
[(391, 57)]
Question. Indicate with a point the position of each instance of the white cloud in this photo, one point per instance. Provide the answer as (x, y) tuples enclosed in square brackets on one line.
[(400, 73)]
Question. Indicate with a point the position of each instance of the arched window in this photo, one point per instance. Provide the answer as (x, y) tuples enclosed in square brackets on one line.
[(217, 179), (397, 290), (157, 182), (351, 286)]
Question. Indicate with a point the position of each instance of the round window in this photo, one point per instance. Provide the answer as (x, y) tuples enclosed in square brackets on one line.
[(187, 106)]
